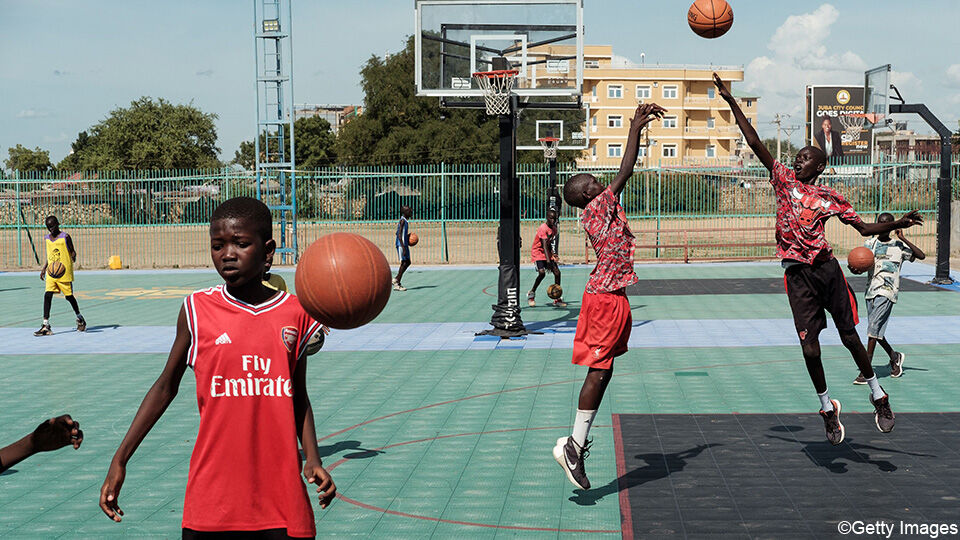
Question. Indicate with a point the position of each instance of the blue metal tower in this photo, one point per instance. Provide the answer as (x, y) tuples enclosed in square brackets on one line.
[(274, 144)]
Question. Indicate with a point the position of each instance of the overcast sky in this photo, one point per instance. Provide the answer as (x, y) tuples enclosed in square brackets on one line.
[(65, 64)]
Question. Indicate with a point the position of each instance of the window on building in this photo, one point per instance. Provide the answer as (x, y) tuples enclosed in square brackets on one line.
[(593, 91), (748, 103), (643, 91), (591, 64), (669, 150), (711, 150), (669, 122), (642, 151), (711, 123), (615, 121), (594, 120), (669, 91), (614, 150), (615, 91)]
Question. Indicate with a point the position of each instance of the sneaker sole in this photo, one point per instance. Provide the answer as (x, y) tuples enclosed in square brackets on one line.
[(558, 457), (843, 432), (855, 381)]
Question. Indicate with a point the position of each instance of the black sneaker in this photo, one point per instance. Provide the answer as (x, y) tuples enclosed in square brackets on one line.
[(882, 416), (570, 457), (831, 422), (860, 379), (896, 366), (81, 324), (44, 331)]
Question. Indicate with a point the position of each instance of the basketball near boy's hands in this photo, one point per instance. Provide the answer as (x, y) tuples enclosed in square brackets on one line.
[(343, 280), (56, 269), (412, 239), (860, 260)]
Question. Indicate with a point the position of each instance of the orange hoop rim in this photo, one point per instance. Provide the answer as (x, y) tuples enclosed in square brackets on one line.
[(549, 139), (498, 73)]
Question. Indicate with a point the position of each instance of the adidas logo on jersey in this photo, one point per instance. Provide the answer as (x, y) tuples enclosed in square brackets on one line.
[(223, 339)]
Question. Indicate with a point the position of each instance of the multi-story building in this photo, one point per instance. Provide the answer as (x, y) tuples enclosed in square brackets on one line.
[(337, 115), (697, 128)]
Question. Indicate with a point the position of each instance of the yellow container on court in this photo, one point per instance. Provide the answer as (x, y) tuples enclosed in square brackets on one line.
[(114, 262)]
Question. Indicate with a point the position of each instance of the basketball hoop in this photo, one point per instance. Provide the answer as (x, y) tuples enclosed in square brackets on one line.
[(549, 145), (853, 125), (496, 86)]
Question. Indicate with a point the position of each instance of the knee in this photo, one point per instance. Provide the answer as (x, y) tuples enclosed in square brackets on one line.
[(541, 272), (811, 350), (850, 339)]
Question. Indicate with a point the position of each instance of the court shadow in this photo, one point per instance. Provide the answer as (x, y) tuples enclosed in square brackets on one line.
[(422, 287), (14, 289), (8, 471), (836, 458), (344, 446), (101, 328), (658, 466)]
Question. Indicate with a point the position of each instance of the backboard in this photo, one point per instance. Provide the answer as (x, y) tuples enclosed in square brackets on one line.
[(876, 97), (542, 39), (568, 125)]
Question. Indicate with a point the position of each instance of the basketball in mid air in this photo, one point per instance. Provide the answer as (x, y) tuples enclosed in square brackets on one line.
[(860, 259), (343, 280), (413, 239), (554, 291), (710, 18)]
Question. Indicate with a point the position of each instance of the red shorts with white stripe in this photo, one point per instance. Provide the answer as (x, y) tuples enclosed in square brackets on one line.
[(603, 329)]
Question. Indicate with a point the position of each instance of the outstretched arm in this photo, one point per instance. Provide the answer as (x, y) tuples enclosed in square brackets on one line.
[(872, 229), (643, 116), (157, 400), (50, 435), (750, 134)]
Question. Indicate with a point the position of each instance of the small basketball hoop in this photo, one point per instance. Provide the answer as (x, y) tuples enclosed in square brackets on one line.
[(853, 125), (496, 86), (549, 145)]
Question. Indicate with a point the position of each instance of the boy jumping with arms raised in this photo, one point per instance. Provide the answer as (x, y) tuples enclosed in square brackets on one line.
[(812, 275), (603, 327)]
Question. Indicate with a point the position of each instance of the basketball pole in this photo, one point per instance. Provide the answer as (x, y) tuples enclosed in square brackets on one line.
[(942, 275)]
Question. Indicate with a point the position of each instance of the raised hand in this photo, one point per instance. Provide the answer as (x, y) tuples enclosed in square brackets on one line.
[(722, 88), (912, 218), (645, 114), (899, 234)]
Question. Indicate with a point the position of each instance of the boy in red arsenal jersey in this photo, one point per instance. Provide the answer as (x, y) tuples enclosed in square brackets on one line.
[(812, 275), (543, 256), (603, 327), (247, 346)]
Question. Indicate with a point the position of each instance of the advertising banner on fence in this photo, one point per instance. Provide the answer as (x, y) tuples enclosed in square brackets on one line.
[(830, 127)]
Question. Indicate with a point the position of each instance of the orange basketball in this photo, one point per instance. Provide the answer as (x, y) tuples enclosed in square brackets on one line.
[(710, 18), (413, 239), (56, 269), (343, 280), (860, 259)]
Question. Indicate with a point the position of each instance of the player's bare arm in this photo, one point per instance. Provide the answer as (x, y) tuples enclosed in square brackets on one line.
[(43, 271), (313, 469), (156, 401), (918, 254), (547, 249), (70, 250), (909, 219), (749, 134), (641, 117), (50, 435)]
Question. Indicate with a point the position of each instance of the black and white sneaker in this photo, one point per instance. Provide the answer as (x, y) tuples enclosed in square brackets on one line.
[(44, 331), (81, 324), (832, 424), (882, 414), (570, 457), (896, 366)]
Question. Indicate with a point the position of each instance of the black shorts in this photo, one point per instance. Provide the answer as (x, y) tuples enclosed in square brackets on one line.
[(545, 265), (265, 534), (815, 288)]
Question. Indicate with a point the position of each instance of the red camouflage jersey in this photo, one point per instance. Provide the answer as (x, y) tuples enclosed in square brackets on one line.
[(802, 212), (245, 467), (606, 225)]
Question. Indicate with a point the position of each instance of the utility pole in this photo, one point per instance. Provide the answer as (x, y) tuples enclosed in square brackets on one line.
[(778, 120)]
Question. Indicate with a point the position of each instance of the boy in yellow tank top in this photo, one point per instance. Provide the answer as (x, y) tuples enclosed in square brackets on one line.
[(60, 258)]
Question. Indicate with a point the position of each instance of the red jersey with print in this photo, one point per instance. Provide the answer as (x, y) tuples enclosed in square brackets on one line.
[(606, 225), (544, 232), (802, 212), (245, 466)]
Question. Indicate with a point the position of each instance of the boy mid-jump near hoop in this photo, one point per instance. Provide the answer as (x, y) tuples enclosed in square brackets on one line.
[(603, 327), (812, 276)]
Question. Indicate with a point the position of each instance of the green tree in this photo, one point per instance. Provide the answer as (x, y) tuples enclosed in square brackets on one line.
[(150, 134), (24, 159), (314, 139), (786, 147)]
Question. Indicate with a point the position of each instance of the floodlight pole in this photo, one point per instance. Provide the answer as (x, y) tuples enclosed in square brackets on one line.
[(942, 275)]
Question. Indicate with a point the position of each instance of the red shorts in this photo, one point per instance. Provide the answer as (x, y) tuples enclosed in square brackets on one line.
[(603, 329)]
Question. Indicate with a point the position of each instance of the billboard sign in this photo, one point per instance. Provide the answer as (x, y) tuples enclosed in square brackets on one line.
[(830, 127)]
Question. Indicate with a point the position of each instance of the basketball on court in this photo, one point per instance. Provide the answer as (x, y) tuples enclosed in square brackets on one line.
[(554, 291), (56, 269), (343, 280), (710, 18), (413, 239), (860, 259)]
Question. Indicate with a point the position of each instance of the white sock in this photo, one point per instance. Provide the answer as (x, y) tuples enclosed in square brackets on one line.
[(875, 387), (581, 426), (46, 322), (825, 403)]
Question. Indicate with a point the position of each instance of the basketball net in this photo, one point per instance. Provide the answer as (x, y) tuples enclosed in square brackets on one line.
[(496, 86), (549, 145), (853, 125)]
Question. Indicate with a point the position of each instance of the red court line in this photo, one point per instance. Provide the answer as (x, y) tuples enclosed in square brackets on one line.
[(626, 515), (366, 506)]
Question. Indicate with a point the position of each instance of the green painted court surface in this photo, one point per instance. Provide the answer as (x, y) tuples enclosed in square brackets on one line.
[(422, 443)]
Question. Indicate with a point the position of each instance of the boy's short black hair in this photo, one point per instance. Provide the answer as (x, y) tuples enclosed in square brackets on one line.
[(54, 218), (574, 187), (885, 217), (247, 208)]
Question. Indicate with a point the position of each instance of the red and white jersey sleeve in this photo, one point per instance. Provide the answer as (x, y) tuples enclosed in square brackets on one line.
[(245, 466)]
